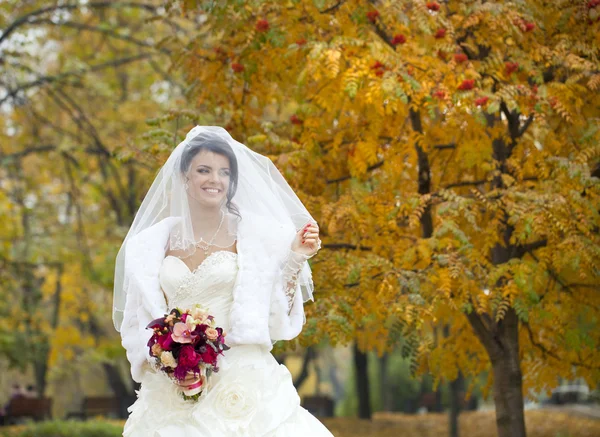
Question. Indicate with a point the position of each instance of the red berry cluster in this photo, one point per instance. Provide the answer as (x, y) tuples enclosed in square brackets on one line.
[(467, 84), (379, 68), (439, 94), (593, 3), (262, 25), (510, 67), (440, 33), (301, 42), (481, 101), (433, 6), (398, 39), (460, 58), (237, 67), (296, 120), (372, 15)]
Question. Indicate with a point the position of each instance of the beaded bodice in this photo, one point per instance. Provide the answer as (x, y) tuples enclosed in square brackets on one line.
[(210, 284)]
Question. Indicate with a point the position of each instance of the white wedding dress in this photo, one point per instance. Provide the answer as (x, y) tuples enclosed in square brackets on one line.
[(252, 395)]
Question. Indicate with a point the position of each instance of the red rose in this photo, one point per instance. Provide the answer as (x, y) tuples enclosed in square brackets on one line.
[(467, 84), (188, 357), (209, 356), (511, 67), (372, 16), (440, 33), (481, 101), (262, 25), (529, 26), (398, 39), (460, 57), (238, 68), (433, 6)]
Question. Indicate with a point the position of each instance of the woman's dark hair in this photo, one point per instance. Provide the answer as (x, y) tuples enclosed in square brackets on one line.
[(210, 143)]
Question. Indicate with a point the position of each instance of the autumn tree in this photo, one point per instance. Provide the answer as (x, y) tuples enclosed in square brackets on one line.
[(77, 84), (449, 151)]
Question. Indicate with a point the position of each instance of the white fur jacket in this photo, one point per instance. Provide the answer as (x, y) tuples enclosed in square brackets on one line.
[(259, 313)]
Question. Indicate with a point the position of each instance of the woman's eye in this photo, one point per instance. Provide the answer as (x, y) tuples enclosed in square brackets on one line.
[(203, 170)]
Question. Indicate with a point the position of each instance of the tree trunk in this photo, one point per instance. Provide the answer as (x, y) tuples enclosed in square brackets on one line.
[(309, 355), (502, 346), (362, 383), (456, 400), (385, 393), (508, 397), (126, 397)]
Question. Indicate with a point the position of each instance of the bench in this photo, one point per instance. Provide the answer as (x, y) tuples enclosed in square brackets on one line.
[(97, 406), (320, 406), (38, 409)]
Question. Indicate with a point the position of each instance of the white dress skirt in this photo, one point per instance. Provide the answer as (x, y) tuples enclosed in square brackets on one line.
[(252, 395)]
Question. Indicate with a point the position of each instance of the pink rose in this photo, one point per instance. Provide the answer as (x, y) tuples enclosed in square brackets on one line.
[(212, 334), (181, 333)]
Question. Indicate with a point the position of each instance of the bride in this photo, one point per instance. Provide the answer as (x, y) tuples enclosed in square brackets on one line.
[(219, 227)]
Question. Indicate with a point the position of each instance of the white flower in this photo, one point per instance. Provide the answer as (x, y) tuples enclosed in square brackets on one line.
[(168, 359), (199, 313), (191, 322)]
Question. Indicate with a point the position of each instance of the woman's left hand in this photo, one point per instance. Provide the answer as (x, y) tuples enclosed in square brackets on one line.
[(307, 240)]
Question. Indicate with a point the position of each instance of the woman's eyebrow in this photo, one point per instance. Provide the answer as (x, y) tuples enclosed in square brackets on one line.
[(208, 166)]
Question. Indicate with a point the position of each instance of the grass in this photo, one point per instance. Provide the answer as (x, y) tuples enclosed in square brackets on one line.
[(540, 423)]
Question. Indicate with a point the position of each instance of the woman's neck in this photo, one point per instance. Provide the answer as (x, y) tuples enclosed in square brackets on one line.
[(205, 221)]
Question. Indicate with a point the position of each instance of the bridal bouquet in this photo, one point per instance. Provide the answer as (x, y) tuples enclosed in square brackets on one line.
[(187, 341)]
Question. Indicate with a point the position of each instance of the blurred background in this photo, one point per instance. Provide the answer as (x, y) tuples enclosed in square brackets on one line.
[(449, 151)]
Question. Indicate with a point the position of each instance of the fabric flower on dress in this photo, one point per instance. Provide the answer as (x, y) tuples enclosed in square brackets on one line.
[(234, 403)]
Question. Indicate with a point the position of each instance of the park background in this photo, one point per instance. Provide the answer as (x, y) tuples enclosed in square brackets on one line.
[(449, 151)]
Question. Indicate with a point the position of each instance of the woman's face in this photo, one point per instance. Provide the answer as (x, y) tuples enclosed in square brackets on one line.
[(209, 178)]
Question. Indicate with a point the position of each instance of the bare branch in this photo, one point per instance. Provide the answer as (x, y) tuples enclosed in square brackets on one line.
[(346, 246), (49, 79), (108, 32), (95, 5)]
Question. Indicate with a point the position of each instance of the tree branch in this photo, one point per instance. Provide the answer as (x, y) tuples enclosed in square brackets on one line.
[(95, 5), (346, 246), (108, 32), (548, 352), (332, 8), (343, 178), (49, 79)]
